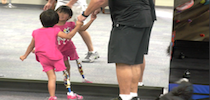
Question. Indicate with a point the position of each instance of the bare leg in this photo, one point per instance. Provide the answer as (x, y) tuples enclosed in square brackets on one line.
[(142, 70), (87, 39), (51, 82), (128, 76), (136, 71), (124, 77), (67, 66)]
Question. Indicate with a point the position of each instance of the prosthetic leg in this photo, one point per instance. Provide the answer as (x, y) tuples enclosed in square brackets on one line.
[(70, 94), (9, 4), (79, 65)]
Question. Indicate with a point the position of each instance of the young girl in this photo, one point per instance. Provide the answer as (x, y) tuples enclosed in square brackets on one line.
[(45, 41), (66, 46)]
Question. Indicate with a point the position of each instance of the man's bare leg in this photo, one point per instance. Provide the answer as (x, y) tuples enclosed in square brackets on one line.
[(128, 77), (136, 71), (142, 72)]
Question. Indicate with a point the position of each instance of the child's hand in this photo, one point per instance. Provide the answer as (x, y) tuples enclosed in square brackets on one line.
[(22, 57), (79, 23), (93, 16)]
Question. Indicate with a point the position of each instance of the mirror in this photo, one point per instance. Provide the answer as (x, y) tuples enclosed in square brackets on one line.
[(18, 23), (190, 46)]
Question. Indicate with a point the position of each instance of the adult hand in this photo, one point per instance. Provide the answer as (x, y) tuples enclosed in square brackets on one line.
[(81, 18), (93, 16), (47, 6), (79, 23), (97, 11)]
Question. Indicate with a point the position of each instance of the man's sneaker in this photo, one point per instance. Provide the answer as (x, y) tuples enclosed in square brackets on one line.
[(91, 57), (52, 98), (118, 98), (74, 96), (135, 98)]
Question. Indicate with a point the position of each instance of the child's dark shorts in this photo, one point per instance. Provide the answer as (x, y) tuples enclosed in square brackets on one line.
[(128, 44)]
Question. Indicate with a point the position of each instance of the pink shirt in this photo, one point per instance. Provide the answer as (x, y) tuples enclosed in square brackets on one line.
[(46, 43), (66, 46)]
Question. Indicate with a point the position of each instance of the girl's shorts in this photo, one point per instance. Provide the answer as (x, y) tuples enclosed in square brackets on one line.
[(47, 64), (128, 44), (71, 54)]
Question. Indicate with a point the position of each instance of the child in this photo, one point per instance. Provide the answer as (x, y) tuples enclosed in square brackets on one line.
[(45, 41), (66, 46)]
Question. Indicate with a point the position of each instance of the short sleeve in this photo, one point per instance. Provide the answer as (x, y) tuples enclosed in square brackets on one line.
[(33, 33), (71, 24), (57, 30)]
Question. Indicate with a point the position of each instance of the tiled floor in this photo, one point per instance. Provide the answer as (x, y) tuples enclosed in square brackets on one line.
[(18, 23)]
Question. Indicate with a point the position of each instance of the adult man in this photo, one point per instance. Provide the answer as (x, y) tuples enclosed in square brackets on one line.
[(77, 7), (132, 23)]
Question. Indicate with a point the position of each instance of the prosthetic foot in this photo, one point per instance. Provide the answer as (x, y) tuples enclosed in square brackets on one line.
[(70, 94)]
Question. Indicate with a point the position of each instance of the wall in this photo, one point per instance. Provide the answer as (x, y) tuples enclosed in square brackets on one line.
[(34, 2), (169, 3)]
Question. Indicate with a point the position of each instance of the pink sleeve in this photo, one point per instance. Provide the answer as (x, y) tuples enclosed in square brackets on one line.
[(71, 24), (57, 30), (33, 34)]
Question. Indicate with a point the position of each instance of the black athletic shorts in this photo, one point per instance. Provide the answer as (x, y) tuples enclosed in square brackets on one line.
[(128, 44)]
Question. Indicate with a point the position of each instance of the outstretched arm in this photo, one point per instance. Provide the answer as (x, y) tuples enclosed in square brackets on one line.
[(72, 33), (71, 3), (86, 26), (48, 5), (29, 49)]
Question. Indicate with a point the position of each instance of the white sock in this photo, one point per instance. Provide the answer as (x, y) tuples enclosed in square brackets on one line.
[(133, 94), (125, 96), (140, 83), (91, 51)]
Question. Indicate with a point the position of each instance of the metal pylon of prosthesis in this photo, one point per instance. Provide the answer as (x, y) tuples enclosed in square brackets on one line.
[(67, 81), (79, 65)]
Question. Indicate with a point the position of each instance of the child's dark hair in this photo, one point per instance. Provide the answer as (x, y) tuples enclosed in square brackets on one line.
[(65, 9), (49, 18)]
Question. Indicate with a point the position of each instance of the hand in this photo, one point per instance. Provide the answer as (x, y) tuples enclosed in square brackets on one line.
[(93, 16), (22, 57), (79, 23), (97, 11), (47, 6), (81, 18)]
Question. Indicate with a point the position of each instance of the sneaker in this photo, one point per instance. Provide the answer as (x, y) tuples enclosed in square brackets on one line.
[(135, 98), (185, 6), (118, 98), (52, 98), (86, 81), (91, 57), (74, 96)]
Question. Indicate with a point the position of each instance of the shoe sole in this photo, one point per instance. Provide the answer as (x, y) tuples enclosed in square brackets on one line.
[(91, 61)]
